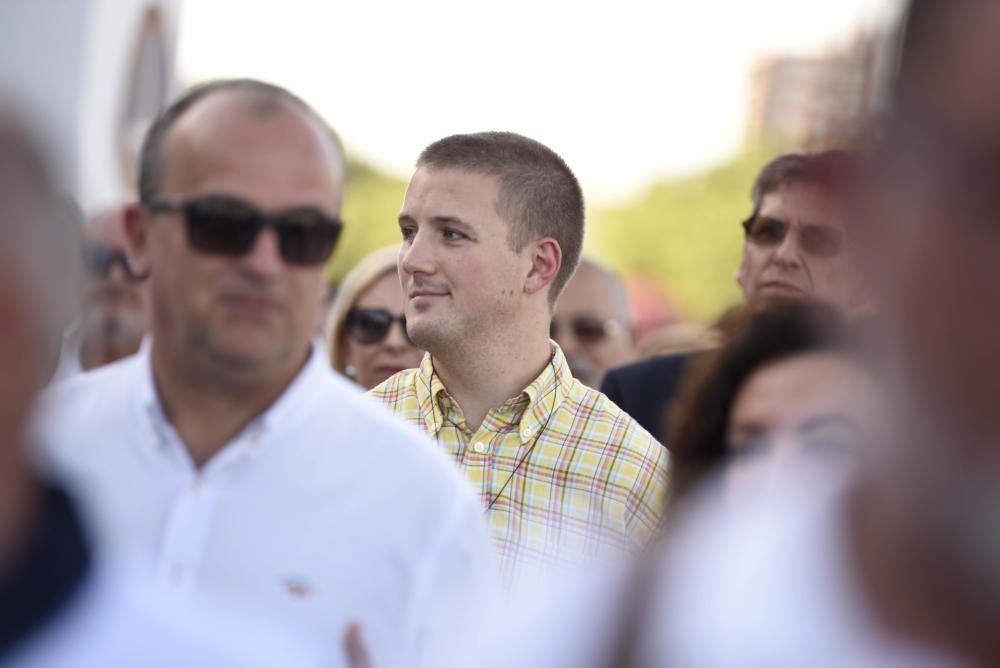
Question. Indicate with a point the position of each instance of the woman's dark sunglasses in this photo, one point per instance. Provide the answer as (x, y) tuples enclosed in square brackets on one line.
[(816, 240), (371, 325), (229, 226), (99, 259)]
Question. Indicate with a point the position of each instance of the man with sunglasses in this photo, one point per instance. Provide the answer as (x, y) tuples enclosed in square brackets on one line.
[(492, 226), (593, 323), (795, 245), (113, 315), (795, 242), (227, 452)]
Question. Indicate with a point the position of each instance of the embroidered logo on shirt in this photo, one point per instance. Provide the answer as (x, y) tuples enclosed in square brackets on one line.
[(298, 587)]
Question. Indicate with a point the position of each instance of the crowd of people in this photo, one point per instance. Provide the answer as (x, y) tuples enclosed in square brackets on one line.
[(465, 460)]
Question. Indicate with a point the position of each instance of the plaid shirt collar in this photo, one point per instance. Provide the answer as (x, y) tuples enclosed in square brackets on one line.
[(531, 408)]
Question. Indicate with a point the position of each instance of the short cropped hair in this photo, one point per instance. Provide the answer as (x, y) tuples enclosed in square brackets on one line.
[(833, 170), (265, 99), (539, 195)]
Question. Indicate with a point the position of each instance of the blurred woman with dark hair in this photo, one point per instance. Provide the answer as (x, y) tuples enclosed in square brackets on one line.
[(789, 377)]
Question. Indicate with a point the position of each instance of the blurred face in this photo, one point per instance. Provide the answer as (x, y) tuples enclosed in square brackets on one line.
[(461, 281), (591, 325), (254, 312), (795, 247), (114, 302), (374, 351), (809, 404), (937, 258)]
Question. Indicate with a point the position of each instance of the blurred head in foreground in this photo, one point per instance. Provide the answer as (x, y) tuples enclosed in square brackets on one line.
[(367, 329), (932, 243), (788, 380), (592, 323), (37, 249)]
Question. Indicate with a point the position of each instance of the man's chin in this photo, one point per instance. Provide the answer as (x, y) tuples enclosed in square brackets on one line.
[(252, 354), (428, 337)]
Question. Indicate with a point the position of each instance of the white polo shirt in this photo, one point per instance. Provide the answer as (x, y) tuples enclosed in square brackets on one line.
[(324, 511)]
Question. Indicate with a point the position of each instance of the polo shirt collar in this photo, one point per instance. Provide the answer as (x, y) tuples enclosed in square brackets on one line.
[(294, 403), (430, 390), (537, 401), (545, 394)]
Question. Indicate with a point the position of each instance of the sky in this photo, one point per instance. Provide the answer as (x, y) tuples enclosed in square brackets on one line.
[(627, 91)]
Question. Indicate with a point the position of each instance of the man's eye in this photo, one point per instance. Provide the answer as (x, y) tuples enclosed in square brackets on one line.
[(408, 233), (768, 232), (453, 235)]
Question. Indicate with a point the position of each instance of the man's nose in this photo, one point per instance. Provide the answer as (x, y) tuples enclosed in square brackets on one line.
[(416, 255), (788, 250), (264, 257)]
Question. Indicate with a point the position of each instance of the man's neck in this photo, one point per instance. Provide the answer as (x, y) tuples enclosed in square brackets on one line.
[(94, 354), (209, 404), (480, 380)]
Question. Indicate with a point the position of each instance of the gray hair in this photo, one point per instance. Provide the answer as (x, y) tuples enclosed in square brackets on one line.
[(833, 170)]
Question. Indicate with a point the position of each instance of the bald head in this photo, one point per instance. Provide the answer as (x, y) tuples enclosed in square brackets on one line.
[(206, 111), (593, 323)]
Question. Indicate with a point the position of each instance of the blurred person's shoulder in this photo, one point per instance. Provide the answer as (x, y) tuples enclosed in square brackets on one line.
[(67, 393), (116, 620), (569, 619), (75, 409), (741, 571)]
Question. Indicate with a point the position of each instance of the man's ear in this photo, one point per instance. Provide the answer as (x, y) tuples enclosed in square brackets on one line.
[(546, 259), (137, 238), (743, 271)]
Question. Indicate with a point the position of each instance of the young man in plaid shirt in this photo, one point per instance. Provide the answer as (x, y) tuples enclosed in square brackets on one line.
[(492, 227)]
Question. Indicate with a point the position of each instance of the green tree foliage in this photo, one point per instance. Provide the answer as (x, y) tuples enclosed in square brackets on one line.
[(684, 234), (371, 206)]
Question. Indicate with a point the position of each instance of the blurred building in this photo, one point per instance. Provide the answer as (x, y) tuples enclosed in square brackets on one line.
[(91, 75), (824, 100)]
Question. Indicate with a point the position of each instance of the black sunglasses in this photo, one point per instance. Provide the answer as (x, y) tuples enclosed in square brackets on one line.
[(586, 328), (99, 259), (371, 325), (816, 240), (229, 226)]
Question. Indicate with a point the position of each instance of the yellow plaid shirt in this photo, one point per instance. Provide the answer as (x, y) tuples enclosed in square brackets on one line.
[(560, 469)]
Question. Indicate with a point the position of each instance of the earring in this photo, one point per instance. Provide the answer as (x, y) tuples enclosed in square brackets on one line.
[(350, 371)]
